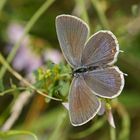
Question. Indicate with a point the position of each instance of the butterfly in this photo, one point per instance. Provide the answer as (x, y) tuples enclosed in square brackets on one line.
[(92, 61)]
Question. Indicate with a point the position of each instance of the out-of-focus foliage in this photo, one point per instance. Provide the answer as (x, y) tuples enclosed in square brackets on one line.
[(24, 114), (54, 79)]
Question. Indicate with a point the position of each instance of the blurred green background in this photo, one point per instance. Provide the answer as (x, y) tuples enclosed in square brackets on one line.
[(33, 23)]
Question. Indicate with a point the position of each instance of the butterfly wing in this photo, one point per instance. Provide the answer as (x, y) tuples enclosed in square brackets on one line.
[(83, 104), (72, 33), (101, 49), (107, 83)]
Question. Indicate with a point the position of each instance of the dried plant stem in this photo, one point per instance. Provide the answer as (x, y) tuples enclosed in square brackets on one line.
[(16, 110), (19, 77), (28, 27)]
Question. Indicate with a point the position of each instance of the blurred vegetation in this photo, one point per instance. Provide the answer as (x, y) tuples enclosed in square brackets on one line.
[(28, 41)]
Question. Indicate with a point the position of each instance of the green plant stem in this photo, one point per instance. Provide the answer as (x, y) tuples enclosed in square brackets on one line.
[(125, 130), (2, 3), (17, 132), (100, 13), (19, 77), (11, 90), (28, 27), (81, 4), (57, 134), (97, 125), (112, 133)]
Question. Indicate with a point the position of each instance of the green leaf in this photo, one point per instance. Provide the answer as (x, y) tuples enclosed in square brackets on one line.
[(64, 88)]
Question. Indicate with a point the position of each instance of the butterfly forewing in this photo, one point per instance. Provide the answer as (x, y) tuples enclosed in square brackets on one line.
[(72, 34), (83, 104), (107, 83), (101, 49)]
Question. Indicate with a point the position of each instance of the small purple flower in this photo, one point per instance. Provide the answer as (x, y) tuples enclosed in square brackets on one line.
[(25, 58), (53, 55)]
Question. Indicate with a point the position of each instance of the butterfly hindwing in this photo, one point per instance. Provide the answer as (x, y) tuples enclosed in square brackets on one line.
[(83, 104), (107, 82)]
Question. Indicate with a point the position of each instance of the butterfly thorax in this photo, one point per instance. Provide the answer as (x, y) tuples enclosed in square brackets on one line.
[(83, 69)]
